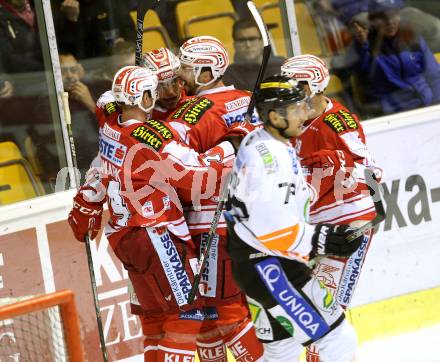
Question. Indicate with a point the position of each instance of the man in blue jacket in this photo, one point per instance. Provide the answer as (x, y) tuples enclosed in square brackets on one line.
[(398, 71)]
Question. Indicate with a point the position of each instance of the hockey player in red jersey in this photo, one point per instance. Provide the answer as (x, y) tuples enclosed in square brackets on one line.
[(215, 106), (143, 162), (170, 90), (171, 93), (213, 111), (334, 152), (165, 65)]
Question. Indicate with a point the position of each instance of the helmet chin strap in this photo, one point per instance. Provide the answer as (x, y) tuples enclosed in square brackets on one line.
[(281, 130), (149, 109), (197, 71)]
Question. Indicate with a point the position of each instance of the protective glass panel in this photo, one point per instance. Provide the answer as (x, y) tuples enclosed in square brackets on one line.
[(31, 142), (383, 55)]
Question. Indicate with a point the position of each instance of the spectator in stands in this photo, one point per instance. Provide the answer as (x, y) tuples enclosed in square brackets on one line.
[(422, 23), (20, 49), (72, 73), (88, 28), (82, 100), (248, 47), (6, 89), (397, 66)]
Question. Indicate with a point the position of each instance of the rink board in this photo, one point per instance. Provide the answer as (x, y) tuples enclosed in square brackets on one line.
[(38, 253)]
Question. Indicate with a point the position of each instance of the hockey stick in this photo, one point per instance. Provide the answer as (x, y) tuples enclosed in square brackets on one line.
[(373, 188), (202, 261), (142, 9), (218, 211), (68, 119), (266, 55)]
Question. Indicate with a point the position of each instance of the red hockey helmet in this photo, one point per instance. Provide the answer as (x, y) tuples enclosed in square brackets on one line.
[(204, 51), (131, 82), (307, 68), (162, 62)]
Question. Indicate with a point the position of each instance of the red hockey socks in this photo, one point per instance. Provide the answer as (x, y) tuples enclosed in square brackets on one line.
[(212, 350), (244, 344)]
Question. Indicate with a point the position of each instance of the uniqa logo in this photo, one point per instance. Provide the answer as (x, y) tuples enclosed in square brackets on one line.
[(271, 273), (299, 310)]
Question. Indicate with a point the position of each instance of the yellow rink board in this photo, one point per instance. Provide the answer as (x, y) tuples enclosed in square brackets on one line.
[(394, 316)]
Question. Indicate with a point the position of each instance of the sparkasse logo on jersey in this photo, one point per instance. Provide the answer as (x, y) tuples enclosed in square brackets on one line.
[(172, 265)]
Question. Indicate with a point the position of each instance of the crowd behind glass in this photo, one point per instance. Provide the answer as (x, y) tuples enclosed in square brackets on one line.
[(382, 56)]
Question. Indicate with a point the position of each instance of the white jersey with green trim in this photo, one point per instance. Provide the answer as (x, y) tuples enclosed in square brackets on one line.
[(269, 198)]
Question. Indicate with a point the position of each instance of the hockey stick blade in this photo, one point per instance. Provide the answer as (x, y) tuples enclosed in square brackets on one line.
[(202, 261), (142, 9), (373, 188), (267, 50)]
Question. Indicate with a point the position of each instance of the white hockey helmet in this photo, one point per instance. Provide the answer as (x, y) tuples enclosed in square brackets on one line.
[(307, 68), (204, 51), (162, 62), (131, 82)]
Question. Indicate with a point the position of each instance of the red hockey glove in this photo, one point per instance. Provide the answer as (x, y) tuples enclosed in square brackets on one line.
[(330, 161), (240, 129), (85, 218), (237, 132)]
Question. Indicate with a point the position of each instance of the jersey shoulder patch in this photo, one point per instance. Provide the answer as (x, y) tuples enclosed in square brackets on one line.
[(192, 110), (153, 133), (181, 109), (110, 108), (269, 160), (341, 121), (349, 119), (161, 128)]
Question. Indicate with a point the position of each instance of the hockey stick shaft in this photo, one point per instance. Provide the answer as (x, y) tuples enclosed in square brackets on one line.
[(205, 252), (267, 50), (218, 211), (373, 188), (95, 299), (142, 9), (68, 120)]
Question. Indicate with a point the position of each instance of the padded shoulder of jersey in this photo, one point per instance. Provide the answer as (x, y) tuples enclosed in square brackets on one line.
[(192, 110), (153, 133), (341, 121), (264, 153)]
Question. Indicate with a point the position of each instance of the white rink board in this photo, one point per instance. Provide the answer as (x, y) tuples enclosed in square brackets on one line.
[(400, 261), (405, 259)]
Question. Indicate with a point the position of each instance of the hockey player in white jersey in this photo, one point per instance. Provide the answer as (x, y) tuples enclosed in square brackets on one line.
[(271, 242)]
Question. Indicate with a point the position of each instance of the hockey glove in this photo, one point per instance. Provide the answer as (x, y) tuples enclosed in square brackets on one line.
[(85, 218), (237, 132), (331, 160), (331, 240), (240, 129)]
